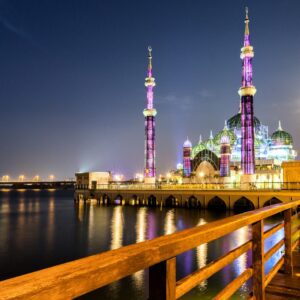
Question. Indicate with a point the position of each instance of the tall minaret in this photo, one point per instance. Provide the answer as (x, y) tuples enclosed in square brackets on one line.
[(150, 114), (247, 92)]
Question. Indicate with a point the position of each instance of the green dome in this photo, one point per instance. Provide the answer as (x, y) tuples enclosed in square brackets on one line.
[(225, 132), (281, 137), (197, 149), (209, 144), (235, 122)]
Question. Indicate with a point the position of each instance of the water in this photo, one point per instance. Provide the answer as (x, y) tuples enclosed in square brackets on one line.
[(39, 229)]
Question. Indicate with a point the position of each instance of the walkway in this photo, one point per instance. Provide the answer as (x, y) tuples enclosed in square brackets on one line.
[(283, 286)]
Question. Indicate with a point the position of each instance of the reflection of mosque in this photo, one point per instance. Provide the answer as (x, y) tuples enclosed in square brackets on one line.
[(243, 146)]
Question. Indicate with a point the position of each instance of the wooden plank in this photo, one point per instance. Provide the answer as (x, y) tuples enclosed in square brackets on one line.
[(274, 249), (162, 280), (186, 284), (295, 244), (296, 216), (288, 266), (273, 230), (274, 271), (73, 279), (285, 285), (171, 278), (258, 260), (295, 229), (234, 285)]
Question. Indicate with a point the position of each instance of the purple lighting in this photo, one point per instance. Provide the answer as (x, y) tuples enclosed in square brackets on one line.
[(187, 164), (247, 91), (149, 113), (225, 157)]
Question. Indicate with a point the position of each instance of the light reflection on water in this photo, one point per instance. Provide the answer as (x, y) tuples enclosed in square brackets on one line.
[(43, 228)]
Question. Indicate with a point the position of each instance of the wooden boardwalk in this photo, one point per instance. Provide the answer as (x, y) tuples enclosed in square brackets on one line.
[(285, 286), (73, 279)]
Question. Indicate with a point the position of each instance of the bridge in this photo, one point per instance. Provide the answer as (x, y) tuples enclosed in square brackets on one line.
[(14, 185), (76, 278), (172, 196)]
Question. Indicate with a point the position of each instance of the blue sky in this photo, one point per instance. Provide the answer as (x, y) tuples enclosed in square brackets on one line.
[(72, 78)]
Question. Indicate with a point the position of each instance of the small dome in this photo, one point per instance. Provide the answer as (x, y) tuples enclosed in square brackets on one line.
[(199, 147), (281, 137), (210, 144), (236, 123), (225, 132), (187, 143), (225, 139)]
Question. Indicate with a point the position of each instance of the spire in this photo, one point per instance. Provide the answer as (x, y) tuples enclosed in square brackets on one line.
[(247, 54), (279, 126), (149, 81), (211, 135), (150, 61), (225, 125), (247, 32), (200, 139)]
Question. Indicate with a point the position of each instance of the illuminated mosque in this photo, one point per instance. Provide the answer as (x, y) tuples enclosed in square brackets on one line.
[(243, 149)]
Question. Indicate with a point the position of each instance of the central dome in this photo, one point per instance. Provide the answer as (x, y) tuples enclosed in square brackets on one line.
[(235, 122)]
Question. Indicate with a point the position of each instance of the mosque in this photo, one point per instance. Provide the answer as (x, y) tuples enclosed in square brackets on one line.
[(243, 149)]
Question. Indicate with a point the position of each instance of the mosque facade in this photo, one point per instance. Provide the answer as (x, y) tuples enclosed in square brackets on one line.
[(244, 146)]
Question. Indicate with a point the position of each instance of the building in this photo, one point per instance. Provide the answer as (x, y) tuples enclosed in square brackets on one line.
[(243, 148), (149, 114), (92, 180)]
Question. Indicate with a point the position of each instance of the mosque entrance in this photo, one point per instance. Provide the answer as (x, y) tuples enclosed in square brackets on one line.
[(205, 170), (205, 165)]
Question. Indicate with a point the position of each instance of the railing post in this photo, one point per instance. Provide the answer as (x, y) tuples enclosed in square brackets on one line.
[(288, 264), (258, 260), (162, 280)]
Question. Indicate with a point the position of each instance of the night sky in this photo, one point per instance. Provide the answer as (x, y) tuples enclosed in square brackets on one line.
[(72, 78)]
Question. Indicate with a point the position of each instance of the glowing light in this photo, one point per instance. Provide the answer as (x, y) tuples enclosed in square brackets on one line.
[(117, 228), (150, 114), (5, 178), (21, 177), (51, 177), (187, 153), (179, 166), (139, 177), (36, 178), (170, 222), (118, 177)]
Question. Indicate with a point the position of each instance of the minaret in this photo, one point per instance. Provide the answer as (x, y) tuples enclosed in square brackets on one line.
[(247, 92), (187, 152), (149, 113), (225, 157)]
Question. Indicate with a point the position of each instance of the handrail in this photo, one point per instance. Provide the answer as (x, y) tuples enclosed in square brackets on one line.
[(73, 279)]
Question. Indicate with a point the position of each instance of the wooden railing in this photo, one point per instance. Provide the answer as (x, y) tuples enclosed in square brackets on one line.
[(81, 276)]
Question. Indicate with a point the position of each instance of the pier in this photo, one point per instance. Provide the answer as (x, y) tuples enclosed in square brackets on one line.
[(15, 185), (76, 278), (189, 196)]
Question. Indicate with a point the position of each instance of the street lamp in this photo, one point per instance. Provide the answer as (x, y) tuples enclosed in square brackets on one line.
[(5, 178), (36, 178)]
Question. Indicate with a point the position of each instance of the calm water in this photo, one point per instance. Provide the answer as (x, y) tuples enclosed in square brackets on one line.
[(44, 228)]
